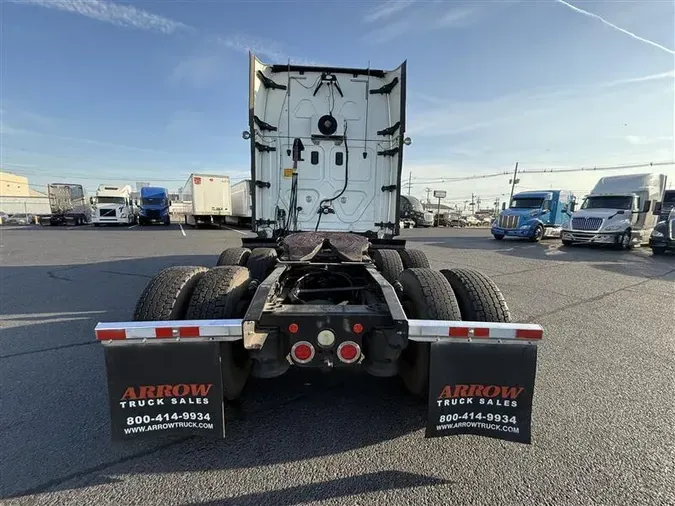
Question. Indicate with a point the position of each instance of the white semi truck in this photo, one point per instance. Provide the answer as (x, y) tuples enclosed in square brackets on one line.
[(616, 212), (325, 284), (209, 199), (113, 205)]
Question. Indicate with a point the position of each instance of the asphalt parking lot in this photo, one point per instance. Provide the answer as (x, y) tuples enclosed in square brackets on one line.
[(603, 430)]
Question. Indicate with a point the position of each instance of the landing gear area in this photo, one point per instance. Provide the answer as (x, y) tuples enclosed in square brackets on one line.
[(327, 301)]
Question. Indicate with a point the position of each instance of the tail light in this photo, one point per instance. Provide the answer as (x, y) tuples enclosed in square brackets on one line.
[(302, 352), (349, 352)]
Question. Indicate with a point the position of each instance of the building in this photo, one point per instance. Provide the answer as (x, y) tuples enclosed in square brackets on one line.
[(12, 185), (16, 196)]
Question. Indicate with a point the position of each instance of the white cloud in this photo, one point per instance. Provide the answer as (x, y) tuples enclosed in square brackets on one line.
[(125, 16), (615, 27), (200, 71), (262, 47), (456, 18), (386, 10)]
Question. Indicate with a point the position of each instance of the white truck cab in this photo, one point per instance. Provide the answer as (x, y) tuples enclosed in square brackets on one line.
[(113, 205), (616, 212)]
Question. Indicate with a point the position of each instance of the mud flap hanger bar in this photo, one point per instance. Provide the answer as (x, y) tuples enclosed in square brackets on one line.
[(130, 333)]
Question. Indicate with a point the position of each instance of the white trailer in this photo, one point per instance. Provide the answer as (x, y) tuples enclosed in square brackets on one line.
[(242, 203), (209, 197), (617, 212), (113, 205)]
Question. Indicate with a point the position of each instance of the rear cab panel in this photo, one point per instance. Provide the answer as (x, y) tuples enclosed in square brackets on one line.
[(287, 102)]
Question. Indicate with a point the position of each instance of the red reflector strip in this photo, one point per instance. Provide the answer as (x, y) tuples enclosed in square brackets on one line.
[(529, 334), (167, 332), (188, 331), (468, 332), (111, 334), (163, 332)]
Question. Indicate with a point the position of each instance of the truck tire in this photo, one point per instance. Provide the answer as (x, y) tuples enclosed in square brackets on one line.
[(426, 295), (538, 234), (234, 256), (220, 294), (167, 295), (388, 262), (261, 263), (566, 242), (625, 241), (498, 237), (479, 298), (414, 259), (658, 250)]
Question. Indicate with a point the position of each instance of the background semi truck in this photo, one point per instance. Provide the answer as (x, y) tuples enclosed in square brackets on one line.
[(113, 205), (534, 215), (242, 203), (412, 210), (618, 211), (210, 201), (325, 283), (154, 206), (68, 205)]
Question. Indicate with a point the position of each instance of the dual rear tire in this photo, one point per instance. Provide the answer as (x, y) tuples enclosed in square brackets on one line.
[(197, 293), (449, 294)]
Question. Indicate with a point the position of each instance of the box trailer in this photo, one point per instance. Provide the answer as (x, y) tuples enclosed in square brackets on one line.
[(209, 197), (325, 284), (242, 203)]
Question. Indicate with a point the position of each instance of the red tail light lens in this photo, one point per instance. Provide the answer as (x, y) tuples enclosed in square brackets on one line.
[(302, 352), (357, 328), (293, 328), (349, 352)]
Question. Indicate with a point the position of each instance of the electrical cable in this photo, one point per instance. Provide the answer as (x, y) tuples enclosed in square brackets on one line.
[(344, 188)]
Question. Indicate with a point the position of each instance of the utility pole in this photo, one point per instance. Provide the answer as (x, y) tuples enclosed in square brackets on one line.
[(428, 192), (409, 182), (473, 204), (514, 181)]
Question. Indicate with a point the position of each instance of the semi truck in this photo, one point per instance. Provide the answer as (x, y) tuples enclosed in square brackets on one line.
[(665, 205), (323, 282), (113, 205), (662, 238), (616, 212), (67, 204), (412, 210), (242, 203), (534, 215), (209, 199), (154, 206)]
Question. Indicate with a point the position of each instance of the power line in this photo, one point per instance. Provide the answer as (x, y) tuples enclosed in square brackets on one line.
[(541, 171)]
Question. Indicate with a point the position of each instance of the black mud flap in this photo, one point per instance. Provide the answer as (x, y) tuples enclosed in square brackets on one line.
[(482, 389), (165, 389)]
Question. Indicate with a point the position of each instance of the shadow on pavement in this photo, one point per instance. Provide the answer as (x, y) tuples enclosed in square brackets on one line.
[(61, 441), (338, 488)]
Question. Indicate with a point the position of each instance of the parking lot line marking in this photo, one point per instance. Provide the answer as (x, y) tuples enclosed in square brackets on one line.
[(132, 226), (181, 229), (234, 230)]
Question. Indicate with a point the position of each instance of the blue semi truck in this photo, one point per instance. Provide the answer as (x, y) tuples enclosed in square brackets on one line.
[(534, 215), (154, 206)]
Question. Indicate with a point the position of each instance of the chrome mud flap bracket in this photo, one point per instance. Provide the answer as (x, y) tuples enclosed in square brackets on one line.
[(481, 378)]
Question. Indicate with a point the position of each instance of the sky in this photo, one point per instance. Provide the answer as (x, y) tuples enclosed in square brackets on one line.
[(95, 91)]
